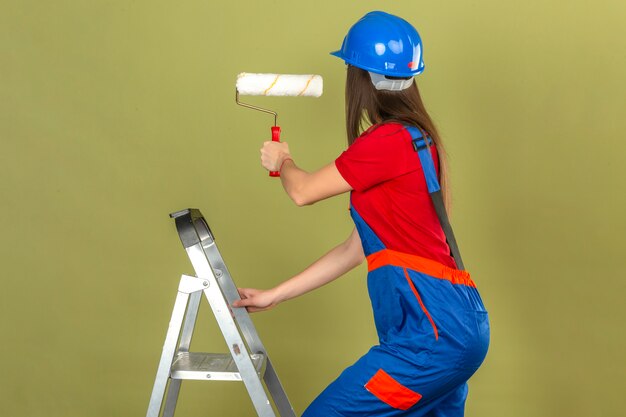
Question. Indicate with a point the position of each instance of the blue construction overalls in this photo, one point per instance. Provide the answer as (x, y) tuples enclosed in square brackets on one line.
[(433, 331)]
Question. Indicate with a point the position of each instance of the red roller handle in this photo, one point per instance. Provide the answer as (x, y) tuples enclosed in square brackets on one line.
[(275, 138)]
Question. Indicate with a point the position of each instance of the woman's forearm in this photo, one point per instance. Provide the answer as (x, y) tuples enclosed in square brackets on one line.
[(292, 179), (329, 267)]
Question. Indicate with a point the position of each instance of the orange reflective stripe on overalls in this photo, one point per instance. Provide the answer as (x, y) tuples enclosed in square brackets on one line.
[(417, 263)]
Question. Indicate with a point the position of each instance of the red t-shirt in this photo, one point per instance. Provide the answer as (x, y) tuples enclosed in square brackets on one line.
[(390, 193)]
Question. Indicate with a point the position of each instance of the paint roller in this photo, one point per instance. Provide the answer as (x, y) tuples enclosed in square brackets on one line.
[(284, 85)]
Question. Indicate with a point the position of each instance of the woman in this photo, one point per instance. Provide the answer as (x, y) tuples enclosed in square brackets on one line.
[(431, 322)]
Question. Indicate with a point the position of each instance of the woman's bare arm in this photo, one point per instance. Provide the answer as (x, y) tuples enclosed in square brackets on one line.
[(329, 267), (307, 188), (303, 188)]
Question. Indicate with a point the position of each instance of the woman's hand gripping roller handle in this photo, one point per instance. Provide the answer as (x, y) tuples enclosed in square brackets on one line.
[(309, 85), (275, 138)]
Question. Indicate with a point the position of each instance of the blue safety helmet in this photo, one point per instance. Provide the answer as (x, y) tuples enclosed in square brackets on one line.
[(383, 44)]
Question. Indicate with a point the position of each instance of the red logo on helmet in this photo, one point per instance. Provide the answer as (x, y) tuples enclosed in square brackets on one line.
[(412, 65)]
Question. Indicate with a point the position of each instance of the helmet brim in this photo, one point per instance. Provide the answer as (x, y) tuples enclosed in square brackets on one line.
[(339, 54)]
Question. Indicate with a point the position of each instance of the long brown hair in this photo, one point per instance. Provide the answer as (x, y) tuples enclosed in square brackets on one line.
[(366, 105)]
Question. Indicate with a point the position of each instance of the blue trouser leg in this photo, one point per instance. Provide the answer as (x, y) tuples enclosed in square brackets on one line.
[(453, 405)]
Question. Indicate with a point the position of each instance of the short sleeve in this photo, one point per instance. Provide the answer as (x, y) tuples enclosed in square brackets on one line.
[(377, 157)]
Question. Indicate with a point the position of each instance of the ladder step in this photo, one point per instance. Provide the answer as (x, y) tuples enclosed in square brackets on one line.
[(211, 366)]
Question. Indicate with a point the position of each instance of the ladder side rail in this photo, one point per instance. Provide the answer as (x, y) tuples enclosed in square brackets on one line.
[(247, 328), (277, 391), (173, 390), (229, 289), (193, 228), (172, 397), (190, 321), (189, 235), (167, 354), (228, 327)]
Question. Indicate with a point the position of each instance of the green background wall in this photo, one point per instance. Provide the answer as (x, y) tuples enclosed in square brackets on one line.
[(115, 113)]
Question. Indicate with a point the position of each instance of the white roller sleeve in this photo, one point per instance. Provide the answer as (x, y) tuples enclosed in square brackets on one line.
[(309, 85)]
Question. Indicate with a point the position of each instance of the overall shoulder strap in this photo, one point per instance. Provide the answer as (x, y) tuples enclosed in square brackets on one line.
[(422, 147)]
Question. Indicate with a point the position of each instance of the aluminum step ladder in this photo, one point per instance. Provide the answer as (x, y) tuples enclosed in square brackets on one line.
[(247, 361)]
